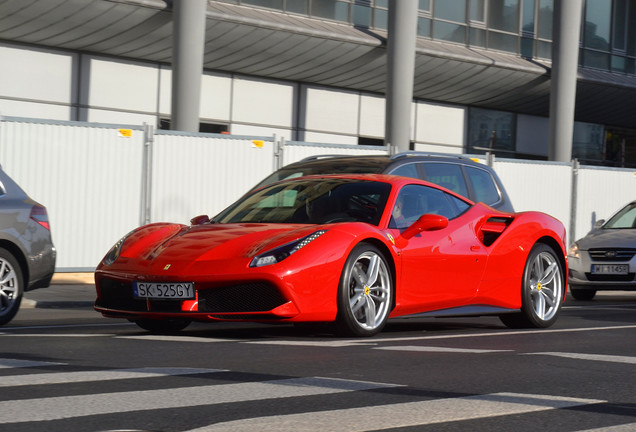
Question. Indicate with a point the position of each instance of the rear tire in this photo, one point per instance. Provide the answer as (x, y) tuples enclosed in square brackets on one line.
[(365, 293), (541, 291), (163, 326), (11, 286)]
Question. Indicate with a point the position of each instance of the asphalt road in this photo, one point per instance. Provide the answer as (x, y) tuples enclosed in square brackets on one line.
[(65, 368)]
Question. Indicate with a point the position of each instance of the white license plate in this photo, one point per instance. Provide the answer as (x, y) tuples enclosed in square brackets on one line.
[(164, 290), (616, 269)]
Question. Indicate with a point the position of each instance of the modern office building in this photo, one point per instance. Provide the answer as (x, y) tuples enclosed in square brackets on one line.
[(315, 70)]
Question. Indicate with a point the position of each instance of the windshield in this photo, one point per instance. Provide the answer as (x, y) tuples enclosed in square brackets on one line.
[(626, 218), (312, 201)]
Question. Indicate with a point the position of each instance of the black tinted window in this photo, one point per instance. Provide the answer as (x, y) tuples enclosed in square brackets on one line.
[(415, 200), (447, 175), (483, 185), (313, 202), (406, 170)]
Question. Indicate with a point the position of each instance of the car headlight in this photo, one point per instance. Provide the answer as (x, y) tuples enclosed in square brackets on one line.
[(573, 251), (114, 252), (278, 254)]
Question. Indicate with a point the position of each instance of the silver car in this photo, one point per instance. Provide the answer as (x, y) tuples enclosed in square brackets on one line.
[(605, 259), (27, 254)]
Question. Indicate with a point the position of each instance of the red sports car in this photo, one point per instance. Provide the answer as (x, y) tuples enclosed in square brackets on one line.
[(353, 250)]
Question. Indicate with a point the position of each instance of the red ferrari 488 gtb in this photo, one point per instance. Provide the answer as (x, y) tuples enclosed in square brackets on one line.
[(353, 250)]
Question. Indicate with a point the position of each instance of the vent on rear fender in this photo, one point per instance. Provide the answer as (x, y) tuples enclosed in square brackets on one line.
[(492, 228)]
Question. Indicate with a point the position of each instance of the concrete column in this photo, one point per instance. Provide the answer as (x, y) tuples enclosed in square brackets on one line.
[(400, 73), (187, 62), (565, 57)]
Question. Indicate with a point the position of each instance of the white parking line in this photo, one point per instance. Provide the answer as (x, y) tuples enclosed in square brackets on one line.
[(55, 408), (94, 376), (617, 428), (176, 338), (403, 414), (16, 363), (438, 349), (593, 357)]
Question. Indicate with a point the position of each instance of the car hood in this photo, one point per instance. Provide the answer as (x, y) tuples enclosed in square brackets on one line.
[(609, 238), (179, 243)]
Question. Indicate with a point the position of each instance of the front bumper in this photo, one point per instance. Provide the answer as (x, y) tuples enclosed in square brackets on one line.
[(581, 276)]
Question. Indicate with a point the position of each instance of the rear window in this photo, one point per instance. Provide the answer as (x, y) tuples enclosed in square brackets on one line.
[(483, 185)]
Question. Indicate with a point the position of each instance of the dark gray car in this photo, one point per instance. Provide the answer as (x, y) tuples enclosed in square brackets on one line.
[(475, 181), (27, 254)]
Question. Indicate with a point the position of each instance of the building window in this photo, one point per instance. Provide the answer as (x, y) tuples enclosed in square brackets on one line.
[(450, 10), (478, 11), (370, 141), (587, 143), (504, 15), (164, 124), (449, 21), (544, 19), (490, 130), (297, 6), (330, 9), (270, 4), (362, 13), (381, 14)]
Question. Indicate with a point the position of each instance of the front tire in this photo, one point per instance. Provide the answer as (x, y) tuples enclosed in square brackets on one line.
[(542, 290), (163, 326), (11, 286), (365, 293)]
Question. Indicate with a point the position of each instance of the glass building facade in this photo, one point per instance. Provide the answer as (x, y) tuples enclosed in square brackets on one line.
[(518, 27)]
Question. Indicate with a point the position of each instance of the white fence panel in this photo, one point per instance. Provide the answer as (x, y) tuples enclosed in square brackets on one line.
[(538, 186), (92, 178), (88, 177), (295, 151), (601, 192), (196, 174)]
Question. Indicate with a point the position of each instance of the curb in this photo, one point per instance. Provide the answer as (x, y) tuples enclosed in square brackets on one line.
[(73, 279), (39, 304)]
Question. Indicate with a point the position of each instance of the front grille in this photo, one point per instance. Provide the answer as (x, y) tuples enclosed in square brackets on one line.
[(629, 277), (615, 255), (249, 297), (117, 295)]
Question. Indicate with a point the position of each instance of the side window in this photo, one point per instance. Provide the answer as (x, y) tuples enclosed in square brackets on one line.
[(447, 175), (483, 185), (415, 200), (407, 170)]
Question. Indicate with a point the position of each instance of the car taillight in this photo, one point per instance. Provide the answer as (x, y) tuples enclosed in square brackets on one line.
[(39, 214)]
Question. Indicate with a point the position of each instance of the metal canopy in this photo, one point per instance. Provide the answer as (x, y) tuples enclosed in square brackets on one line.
[(272, 44)]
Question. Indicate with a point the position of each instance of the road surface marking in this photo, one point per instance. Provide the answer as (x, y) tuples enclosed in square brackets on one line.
[(176, 338), (438, 349), (94, 376), (593, 357), (55, 408), (403, 414)]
